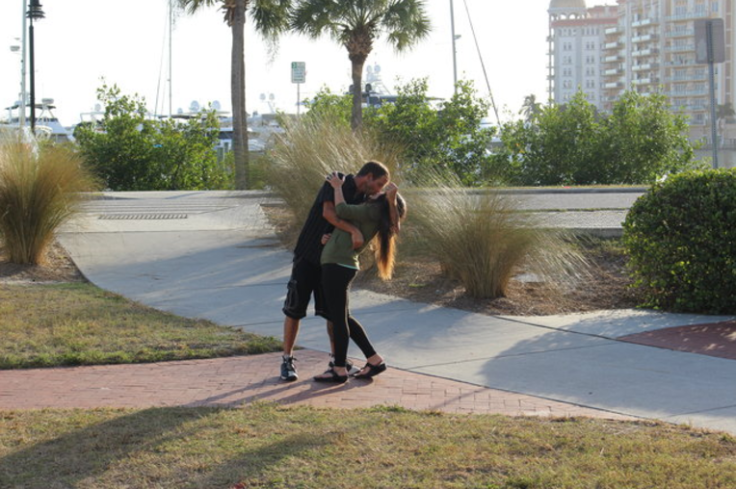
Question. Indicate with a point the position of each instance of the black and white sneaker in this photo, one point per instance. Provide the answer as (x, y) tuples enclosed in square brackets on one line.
[(288, 369), (348, 366)]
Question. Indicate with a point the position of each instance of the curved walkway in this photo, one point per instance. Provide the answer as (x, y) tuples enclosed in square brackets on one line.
[(237, 381), (212, 255)]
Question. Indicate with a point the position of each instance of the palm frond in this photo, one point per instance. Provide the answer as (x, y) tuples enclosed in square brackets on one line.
[(192, 6), (271, 17), (315, 17), (405, 23)]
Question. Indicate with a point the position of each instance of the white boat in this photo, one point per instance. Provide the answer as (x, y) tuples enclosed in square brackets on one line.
[(47, 125)]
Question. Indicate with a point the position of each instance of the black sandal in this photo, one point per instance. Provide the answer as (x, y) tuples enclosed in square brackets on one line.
[(333, 378), (373, 370)]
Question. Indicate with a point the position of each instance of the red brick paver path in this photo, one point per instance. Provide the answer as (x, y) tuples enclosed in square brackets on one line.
[(237, 381), (714, 339)]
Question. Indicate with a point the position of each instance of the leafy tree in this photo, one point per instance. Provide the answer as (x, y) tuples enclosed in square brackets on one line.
[(328, 105), (271, 18), (132, 152), (356, 24), (642, 141), (573, 144), (556, 147), (443, 135)]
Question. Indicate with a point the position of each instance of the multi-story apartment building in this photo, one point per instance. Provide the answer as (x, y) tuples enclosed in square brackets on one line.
[(576, 41), (642, 45)]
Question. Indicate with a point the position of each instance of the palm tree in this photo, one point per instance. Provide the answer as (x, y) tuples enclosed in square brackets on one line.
[(531, 107), (271, 18), (356, 24)]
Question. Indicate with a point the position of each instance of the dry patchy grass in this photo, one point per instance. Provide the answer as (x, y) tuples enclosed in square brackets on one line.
[(79, 324), (268, 446)]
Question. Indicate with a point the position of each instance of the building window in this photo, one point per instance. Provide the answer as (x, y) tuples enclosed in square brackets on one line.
[(714, 6)]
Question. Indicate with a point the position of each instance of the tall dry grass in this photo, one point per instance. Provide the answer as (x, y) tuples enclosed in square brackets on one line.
[(310, 148), (39, 191), (481, 239)]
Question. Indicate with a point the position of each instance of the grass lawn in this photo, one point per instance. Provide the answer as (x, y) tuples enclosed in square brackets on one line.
[(79, 324), (264, 445), (268, 446)]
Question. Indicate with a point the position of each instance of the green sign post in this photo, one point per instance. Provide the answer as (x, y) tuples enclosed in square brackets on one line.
[(298, 76)]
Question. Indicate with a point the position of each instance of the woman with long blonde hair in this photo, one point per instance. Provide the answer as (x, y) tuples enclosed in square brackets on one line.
[(379, 217)]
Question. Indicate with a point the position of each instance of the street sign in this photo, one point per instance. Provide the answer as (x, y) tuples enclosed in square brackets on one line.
[(298, 72), (716, 40)]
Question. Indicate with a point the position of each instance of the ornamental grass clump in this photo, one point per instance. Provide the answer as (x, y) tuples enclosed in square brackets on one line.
[(482, 240), (312, 147), (39, 191)]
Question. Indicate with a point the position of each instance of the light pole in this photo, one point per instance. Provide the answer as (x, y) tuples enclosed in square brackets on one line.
[(454, 51), (34, 12)]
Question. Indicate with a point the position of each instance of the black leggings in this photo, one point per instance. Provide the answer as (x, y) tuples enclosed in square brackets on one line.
[(336, 282)]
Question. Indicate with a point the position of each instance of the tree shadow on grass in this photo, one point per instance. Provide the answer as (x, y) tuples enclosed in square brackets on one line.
[(86, 453), (145, 438)]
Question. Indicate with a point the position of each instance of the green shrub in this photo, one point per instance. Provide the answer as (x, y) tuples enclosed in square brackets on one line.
[(130, 151), (39, 190), (681, 241)]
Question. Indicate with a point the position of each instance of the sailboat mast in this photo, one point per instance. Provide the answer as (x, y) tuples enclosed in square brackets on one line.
[(454, 51), (22, 108), (171, 73)]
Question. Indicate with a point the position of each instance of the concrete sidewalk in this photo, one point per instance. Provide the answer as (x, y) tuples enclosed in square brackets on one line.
[(212, 255)]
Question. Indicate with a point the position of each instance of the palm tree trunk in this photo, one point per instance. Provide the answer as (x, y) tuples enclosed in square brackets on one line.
[(356, 120), (237, 87)]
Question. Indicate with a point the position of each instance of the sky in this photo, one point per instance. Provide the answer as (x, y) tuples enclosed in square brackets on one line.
[(80, 42)]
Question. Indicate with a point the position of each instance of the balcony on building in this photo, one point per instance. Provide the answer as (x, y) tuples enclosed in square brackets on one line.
[(699, 75), (611, 30), (679, 48), (644, 38), (612, 71), (688, 16), (613, 85), (643, 67), (641, 81), (680, 33), (681, 62), (645, 52), (645, 22), (687, 93)]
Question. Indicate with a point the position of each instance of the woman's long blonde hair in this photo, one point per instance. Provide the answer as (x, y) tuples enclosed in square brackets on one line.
[(385, 252)]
